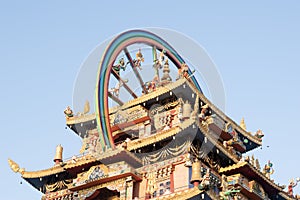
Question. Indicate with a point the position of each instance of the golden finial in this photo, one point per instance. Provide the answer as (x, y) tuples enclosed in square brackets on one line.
[(257, 165), (252, 160), (242, 124), (15, 167), (86, 107)]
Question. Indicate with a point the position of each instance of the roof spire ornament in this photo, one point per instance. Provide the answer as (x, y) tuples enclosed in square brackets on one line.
[(86, 107), (252, 160), (257, 165), (166, 70), (242, 124)]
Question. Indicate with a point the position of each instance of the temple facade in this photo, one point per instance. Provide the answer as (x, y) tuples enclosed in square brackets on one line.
[(167, 142)]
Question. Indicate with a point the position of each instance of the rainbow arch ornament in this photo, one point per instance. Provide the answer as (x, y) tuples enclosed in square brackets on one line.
[(115, 47)]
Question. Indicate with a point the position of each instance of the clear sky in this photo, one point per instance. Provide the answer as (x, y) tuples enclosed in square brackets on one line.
[(255, 45)]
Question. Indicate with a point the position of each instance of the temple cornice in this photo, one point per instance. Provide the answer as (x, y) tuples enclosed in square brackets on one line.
[(244, 167), (224, 116)]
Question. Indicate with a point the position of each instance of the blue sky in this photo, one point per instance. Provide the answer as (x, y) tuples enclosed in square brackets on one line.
[(255, 45)]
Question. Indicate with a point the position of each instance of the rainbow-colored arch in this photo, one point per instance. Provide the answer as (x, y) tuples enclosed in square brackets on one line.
[(117, 45)]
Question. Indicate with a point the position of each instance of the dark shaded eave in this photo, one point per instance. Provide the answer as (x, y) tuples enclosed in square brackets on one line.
[(117, 155), (82, 124), (107, 179), (216, 143), (284, 196)]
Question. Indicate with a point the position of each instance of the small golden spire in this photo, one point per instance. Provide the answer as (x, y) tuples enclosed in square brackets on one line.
[(86, 107), (242, 124)]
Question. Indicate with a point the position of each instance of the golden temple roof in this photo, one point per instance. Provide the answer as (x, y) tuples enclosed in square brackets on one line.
[(80, 119), (146, 97), (162, 90), (57, 168), (86, 159), (234, 166), (286, 196), (249, 167), (224, 116), (135, 144)]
